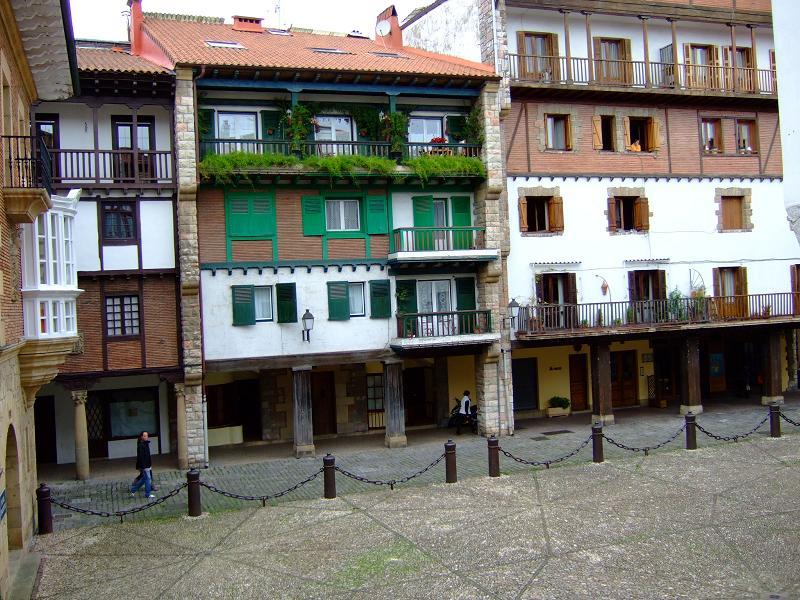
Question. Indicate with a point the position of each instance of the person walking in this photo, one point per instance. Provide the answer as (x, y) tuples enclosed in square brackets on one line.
[(145, 466), (463, 411)]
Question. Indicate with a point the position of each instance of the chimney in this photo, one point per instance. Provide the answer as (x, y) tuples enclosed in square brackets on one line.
[(394, 37), (251, 24), (135, 32)]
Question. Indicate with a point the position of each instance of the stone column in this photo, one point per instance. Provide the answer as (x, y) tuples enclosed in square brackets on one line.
[(773, 380), (303, 423), (602, 408), (81, 435), (691, 400), (180, 426), (394, 405)]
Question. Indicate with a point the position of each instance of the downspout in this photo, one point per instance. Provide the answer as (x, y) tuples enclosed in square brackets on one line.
[(72, 57)]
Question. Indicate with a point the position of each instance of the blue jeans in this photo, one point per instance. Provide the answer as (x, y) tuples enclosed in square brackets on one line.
[(145, 479)]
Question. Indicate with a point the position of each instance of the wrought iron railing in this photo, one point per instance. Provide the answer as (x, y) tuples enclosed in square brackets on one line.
[(25, 163), (88, 167), (641, 74), (444, 324), (546, 318), (437, 239)]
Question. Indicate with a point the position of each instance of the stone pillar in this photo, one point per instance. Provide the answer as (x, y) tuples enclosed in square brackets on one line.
[(791, 359), (773, 380), (180, 426), (394, 405), (602, 408), (303, 423), (691, 400), (81, 435), (189, 266), (441, 390)]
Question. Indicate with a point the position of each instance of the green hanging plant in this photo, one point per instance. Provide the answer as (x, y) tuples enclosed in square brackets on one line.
[(473, 126), (298, 123), (395, 130)]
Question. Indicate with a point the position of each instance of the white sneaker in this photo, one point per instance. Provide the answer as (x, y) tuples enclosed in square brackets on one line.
[(151, 496)]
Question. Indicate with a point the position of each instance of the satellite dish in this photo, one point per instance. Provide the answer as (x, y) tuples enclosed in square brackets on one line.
[(383, 28)]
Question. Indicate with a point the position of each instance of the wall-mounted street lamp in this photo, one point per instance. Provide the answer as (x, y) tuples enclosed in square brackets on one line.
[(308, 325), (513, 312)]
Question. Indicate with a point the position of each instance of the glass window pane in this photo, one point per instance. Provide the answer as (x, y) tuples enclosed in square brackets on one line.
[(41, 239), (43, 320), (237, 126), (55, 272), (263, 301), (351, 220), (143, 137), (333, 215), (356, 291), (55, 316), (124, 140)]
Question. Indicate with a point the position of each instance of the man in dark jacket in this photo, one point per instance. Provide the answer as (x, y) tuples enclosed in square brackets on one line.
[(145, 466)]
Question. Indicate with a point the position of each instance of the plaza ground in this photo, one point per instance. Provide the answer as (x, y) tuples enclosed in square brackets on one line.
[(717, 522)]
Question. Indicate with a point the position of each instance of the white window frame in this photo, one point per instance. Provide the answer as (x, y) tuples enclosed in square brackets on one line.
[(341, 204), (239, 114), (356, 311), (267, 290)]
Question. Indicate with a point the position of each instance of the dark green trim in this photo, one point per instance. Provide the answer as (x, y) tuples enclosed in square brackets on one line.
[(294, 264)]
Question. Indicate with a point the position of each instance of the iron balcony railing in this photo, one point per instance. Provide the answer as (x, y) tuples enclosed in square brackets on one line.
[(26, 163), (444, 324), (87, 167), (329, 148), (640, 74), (437, 239), (550, 318)]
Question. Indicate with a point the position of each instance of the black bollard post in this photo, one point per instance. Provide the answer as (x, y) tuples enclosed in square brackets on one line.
[(329, 475), (193, 479), (691, 431), (597, 443), (450, 474), (494, 456), (45, 509), (774, 420)]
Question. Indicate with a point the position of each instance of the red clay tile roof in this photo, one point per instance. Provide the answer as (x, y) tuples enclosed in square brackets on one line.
[(184, 42), (115, 61)]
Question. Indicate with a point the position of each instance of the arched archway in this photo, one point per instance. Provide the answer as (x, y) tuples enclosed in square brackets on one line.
[(12, 491)]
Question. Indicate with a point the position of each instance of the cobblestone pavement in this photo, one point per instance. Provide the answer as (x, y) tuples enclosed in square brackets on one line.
[(539, 440), (717, 522)]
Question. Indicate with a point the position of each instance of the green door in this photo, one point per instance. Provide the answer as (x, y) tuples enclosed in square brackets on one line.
[(461, 217), (465, 301), (423, 217)]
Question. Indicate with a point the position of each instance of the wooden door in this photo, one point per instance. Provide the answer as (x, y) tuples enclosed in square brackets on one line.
[(525, 378), (623, 378), (323, 402), (420, 409), (45, 422), (249, 409), (666, 362), (578, 382)]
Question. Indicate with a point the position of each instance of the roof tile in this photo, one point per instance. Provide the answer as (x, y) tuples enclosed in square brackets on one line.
[(115, 61)]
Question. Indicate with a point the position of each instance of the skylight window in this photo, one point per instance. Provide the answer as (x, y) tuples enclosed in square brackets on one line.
[(387, 55), (224, 44), (279, 32), (329, 51)]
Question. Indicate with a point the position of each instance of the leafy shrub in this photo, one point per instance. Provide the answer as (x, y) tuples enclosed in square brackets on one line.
[(558, 402)]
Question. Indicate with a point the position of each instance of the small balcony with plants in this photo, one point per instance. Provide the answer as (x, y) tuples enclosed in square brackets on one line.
[(342, 142)]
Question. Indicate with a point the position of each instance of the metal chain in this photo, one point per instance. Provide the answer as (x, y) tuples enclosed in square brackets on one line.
[(546, 463), (788, 420), (732, 438), (391, 482), (119, 513), (645, 449), (263, 499)]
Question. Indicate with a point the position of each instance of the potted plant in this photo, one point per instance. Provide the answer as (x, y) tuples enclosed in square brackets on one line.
[(767, 311), (473, 127), (558, 406), (298, 122), (395, 131), (584, 323), (629, 315), (599, 319)]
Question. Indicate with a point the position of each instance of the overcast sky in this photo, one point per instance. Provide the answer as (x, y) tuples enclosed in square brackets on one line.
[(103, 19)]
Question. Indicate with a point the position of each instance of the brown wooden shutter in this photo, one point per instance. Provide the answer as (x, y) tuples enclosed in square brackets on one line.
[(523, 213), (794, 280), (568, 131), (728, 66), (626, 56), (632, 296), (626, 128), (555, 210), (687, 61), (661, 291), (653, 135), (600, 67), (597, 132), (612, 218), (641, 214), (523, 63), (555, 63), (716, 81), (716, 275), (741, 281)]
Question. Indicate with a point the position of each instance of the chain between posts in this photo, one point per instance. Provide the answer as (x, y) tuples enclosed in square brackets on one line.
[(118, 513), (645, 449), (263, 498), (732, 438), (391, 482), (546, 463), (788, 420)]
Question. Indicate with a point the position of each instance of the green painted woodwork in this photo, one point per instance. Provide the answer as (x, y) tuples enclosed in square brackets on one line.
[(455, 127), (205, 124), (461, 217), (250, 214), (406, 291), (423, 217), (313, 208), (271, 121), (338, 301), (377, 215), (244, 307), (465, 301), (380, 305), (286, 294)]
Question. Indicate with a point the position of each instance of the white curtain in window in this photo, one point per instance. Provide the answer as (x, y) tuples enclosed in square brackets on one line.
[(356, 293), (263, 302)]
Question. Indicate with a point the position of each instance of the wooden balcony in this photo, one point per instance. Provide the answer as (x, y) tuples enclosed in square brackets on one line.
[(621, 318), (112, 168), (417, 245), (555, 71), (456, 328)]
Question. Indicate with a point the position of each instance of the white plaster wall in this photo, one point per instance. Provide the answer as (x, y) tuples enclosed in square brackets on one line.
[(786, 15), (403, 206), (222, 340), (87, 243), (120, 258), (682, 229), (450, 28), (158, 241)]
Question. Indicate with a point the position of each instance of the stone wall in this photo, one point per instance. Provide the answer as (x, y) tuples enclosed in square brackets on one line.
[(276, 405), (351, 399)]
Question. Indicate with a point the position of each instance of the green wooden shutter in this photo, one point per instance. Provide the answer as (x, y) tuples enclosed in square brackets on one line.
[(237, 215), (249, 215), (313, 215), (377, 219), (205, 124), (262, 216), (455, 128), (271, 120), (287, 302), (338, 301), (406, 295), (423, 217), (461, 217), (465, 300), (379, 302), (244, 306)]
